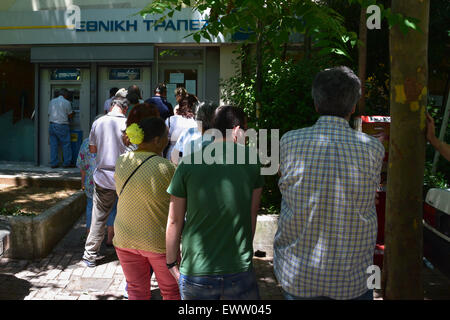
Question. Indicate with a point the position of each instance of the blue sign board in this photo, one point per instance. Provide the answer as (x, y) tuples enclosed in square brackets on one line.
[(124, 74), (65, 74)]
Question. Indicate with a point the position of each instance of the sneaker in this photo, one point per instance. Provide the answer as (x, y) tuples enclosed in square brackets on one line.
[(88, 263), (55, 166), (100, 257)]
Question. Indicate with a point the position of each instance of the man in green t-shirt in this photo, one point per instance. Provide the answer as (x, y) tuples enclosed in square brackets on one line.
[(219, 196)]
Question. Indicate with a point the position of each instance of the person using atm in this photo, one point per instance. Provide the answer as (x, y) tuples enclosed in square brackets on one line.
[(59, 113)]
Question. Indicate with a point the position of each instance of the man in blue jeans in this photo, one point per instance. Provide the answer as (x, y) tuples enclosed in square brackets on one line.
[(220, 201), (59, 113)]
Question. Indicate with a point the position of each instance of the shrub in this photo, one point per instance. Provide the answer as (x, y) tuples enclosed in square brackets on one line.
[(286, 104)]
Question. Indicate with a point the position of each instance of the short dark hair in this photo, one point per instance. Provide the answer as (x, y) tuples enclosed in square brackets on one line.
[(134, 89), (161, 88), (63, 92), (336, 91), (228, 117), (132, 97), (142, 111), (152, 127), (113, 91)]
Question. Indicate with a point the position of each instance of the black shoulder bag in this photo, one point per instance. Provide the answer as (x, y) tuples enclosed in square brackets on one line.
[(134, 172)]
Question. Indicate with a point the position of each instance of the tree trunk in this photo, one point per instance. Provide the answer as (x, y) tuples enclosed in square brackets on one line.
[(362, 60), (258, 80), (362, 63), (402, 274)]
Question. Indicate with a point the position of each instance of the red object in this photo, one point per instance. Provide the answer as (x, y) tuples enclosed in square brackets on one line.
[(378, 255), (429, 214)]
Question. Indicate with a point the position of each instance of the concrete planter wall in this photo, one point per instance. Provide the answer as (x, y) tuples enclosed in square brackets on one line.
[(35, 237), (40, 182), (266, 227)]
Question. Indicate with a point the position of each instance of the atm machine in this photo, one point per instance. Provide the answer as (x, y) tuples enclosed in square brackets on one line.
[(77, 82), (76, 134)]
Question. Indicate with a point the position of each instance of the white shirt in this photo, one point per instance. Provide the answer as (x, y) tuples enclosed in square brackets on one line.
[(59, 110), (185, 138), (177, 124), (106, 135)]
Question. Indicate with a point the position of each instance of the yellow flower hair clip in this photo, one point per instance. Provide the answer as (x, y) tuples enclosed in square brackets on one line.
[(135, 134)]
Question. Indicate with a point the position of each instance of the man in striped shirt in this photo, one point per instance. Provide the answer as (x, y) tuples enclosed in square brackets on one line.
[(329, 174)]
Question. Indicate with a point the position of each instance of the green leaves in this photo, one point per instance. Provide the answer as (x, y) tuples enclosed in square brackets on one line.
[(196, 37), (9, 210), (274, 21), (402, 22)]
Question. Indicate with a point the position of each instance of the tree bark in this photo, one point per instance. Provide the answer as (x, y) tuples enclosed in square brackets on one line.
[(362, 60), (259, 65), (402, 274)]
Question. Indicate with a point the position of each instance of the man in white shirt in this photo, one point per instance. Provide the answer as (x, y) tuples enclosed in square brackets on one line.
[(59, 113), (105, 140)]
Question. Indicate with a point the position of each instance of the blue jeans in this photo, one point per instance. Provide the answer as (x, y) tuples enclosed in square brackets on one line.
[(109, 222), (60, 133), (366, 296), (236, 286)]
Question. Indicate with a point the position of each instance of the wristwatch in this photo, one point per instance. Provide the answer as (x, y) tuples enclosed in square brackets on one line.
[(171, 265)]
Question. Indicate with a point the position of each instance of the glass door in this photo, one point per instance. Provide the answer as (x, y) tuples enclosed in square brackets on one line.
[(189, 76)]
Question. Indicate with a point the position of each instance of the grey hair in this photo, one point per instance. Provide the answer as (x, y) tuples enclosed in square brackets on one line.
[(205, 113), (119, 102), (336, 91)]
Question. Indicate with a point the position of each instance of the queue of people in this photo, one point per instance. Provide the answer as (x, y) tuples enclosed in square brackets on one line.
[(192, 223)]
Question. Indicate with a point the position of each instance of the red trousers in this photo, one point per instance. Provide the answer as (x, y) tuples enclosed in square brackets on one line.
[(136, 268)]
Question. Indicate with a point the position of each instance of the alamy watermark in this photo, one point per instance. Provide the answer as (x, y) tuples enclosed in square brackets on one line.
[(374, 279), (257, 152), (72, 17), (373, 17)]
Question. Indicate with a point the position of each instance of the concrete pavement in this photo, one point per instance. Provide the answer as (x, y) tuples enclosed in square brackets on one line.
[(61, 276)]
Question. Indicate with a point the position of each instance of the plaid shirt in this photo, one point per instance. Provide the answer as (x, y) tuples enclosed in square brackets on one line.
[(328, 224)]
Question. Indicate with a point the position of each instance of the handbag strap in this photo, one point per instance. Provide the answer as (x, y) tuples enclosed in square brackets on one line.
[(153, 155)]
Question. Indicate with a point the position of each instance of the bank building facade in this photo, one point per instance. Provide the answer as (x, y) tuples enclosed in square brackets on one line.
[(89, 47)]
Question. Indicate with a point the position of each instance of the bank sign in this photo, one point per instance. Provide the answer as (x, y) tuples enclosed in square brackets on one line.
[(135, 25), (100, 26)]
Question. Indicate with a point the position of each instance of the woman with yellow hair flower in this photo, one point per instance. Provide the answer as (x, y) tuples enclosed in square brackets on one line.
[(142, 178), (138, 113)]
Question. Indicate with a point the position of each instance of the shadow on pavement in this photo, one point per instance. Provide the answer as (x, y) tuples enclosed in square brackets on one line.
[(12, 288), (269, 289)]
